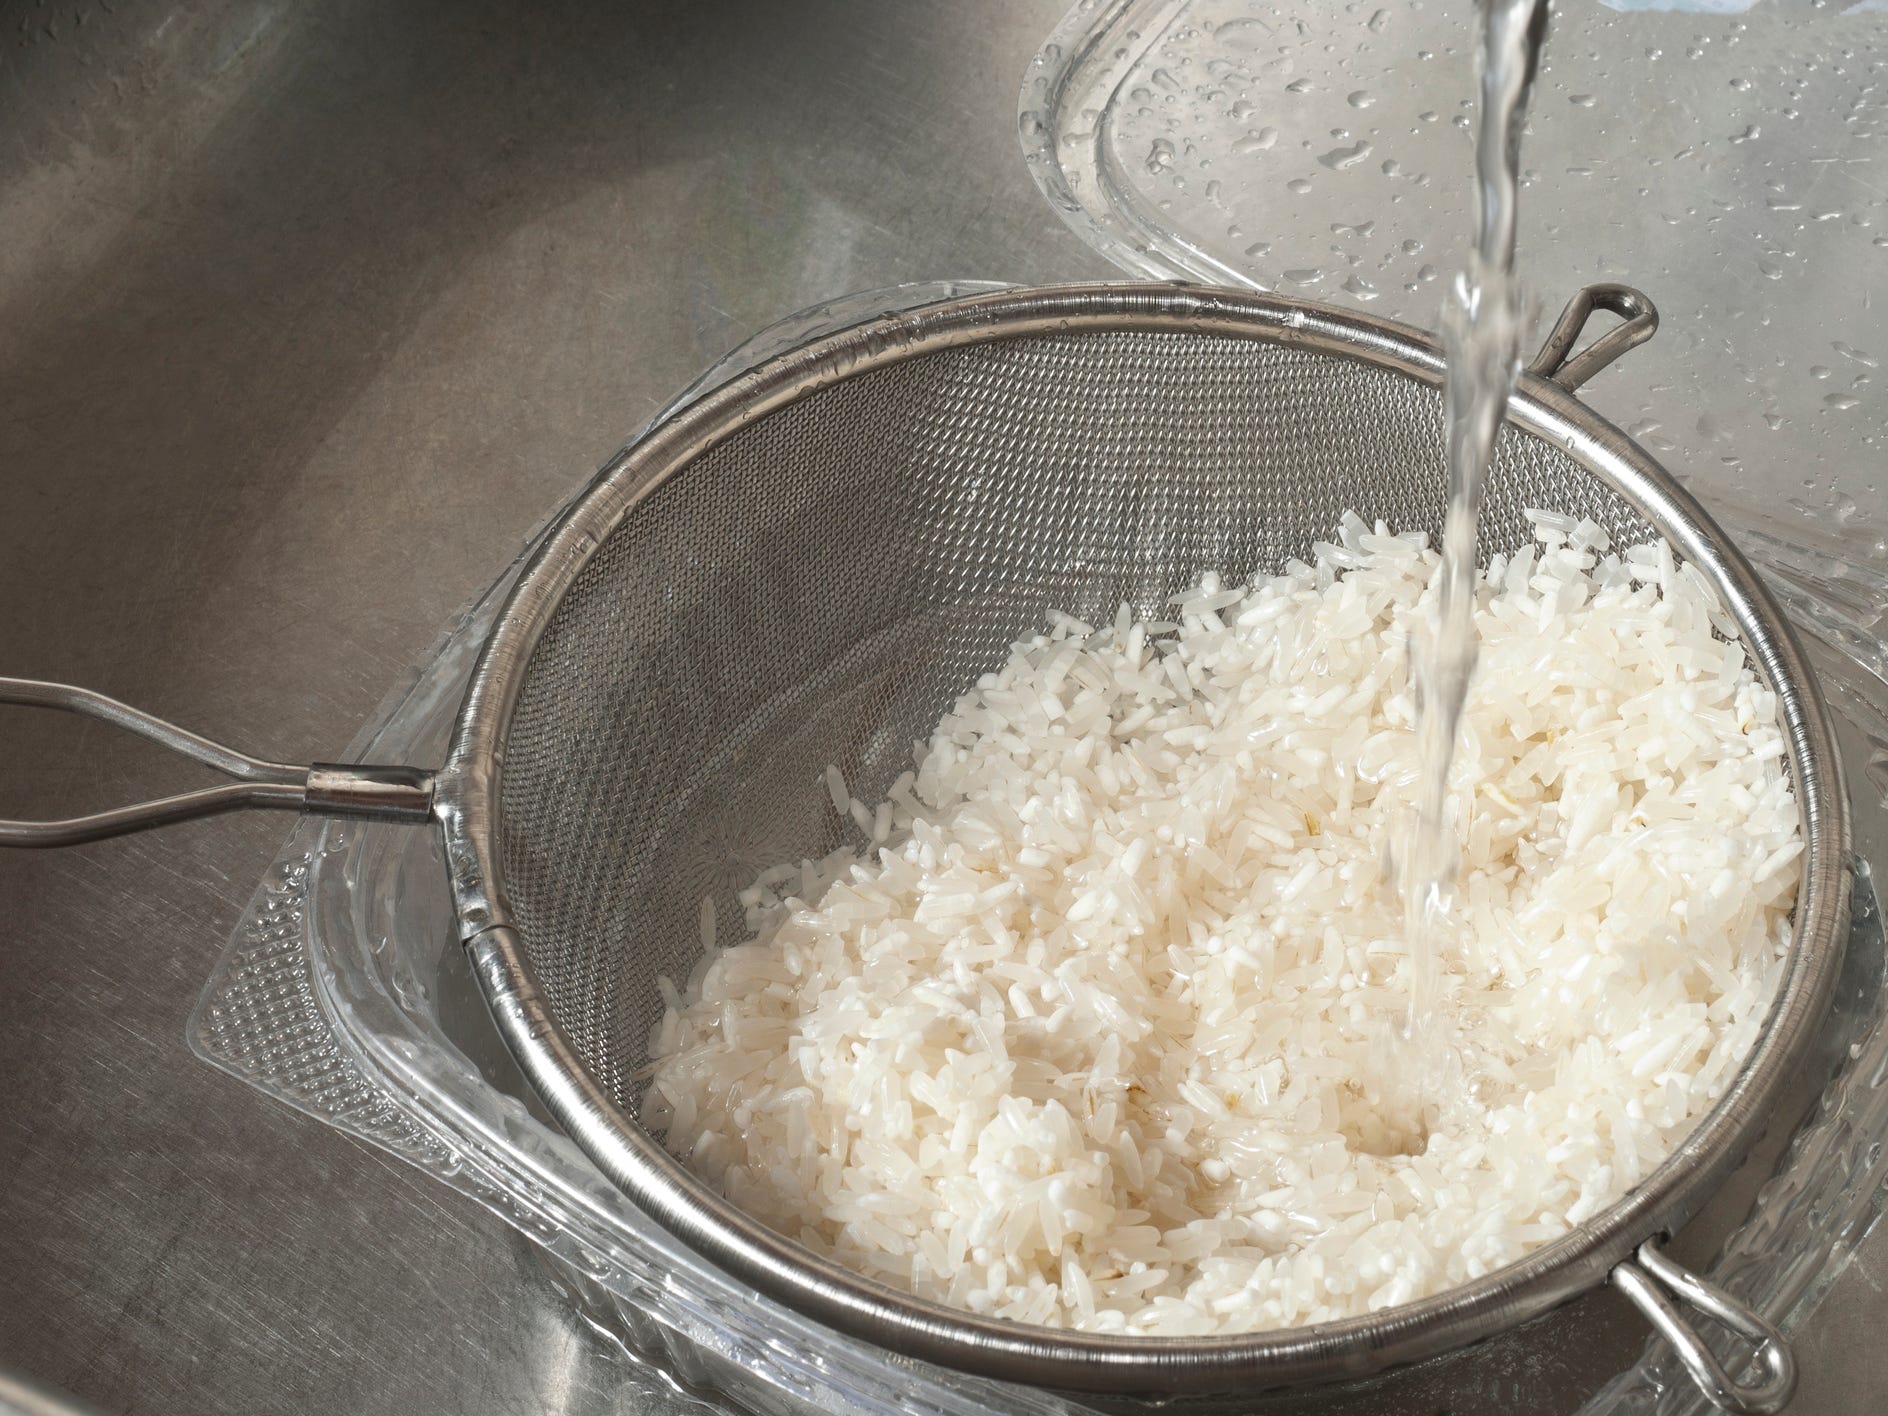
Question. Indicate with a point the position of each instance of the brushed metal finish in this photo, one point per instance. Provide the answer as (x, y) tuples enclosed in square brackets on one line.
[(19, 1397), (307, 314)]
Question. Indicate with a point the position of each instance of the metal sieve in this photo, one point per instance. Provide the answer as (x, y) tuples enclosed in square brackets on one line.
[(810, 563)]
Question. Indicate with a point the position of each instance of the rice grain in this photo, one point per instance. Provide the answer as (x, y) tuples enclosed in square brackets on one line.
[(1084, 1031)]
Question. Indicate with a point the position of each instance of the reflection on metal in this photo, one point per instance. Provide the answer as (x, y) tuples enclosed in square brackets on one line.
[(1558, 362), (381, 793), (1649, 1277)]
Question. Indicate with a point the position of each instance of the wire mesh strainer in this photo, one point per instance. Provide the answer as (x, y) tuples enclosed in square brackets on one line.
[(810, 563)]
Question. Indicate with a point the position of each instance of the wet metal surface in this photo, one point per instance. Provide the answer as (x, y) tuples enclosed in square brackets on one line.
[(307, 315)]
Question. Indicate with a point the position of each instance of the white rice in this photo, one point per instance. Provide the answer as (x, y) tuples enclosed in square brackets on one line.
[(1088, 1038)]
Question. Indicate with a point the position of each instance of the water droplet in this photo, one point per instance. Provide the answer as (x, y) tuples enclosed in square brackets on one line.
[(1580, 100), (1412, 247), (1257, 142), (1840, 400), (1300, 185), (1426, 274), (1361, 99), (1298, 86), (1428, 115), (1160, 155), (1309, 276), (1750, 134), (1849, 351), (1258, 248), (1340, 158), (1819, 371), (1361, 288)]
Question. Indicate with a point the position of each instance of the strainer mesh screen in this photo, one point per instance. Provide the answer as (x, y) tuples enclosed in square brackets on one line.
[(820, 587)]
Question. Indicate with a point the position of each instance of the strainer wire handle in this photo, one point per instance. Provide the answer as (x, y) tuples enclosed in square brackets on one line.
[(324, 789), (1650, 1280), (1557, 361)]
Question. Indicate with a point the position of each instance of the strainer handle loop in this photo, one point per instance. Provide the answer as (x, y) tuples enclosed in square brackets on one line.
[(325, 789), (1558, 362), (1646, 1278)]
